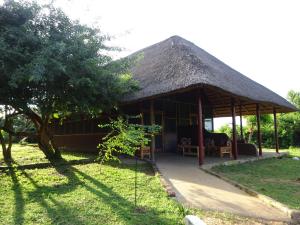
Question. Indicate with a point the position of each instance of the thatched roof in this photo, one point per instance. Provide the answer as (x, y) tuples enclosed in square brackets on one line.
[(176, 65)]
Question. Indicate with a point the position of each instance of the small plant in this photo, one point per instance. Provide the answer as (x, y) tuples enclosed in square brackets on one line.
[(183, 211), (124, 138)]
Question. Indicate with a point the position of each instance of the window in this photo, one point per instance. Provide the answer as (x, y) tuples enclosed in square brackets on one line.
[(208, 124)]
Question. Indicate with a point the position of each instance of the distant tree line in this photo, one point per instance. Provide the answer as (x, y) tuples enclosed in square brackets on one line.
[(288, 127)]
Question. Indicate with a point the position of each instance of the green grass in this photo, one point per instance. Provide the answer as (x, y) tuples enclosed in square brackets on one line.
[(80, 194), (30, 154), (277, 178)]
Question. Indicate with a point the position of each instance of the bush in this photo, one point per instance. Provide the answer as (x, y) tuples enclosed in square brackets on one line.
[(124, 138)]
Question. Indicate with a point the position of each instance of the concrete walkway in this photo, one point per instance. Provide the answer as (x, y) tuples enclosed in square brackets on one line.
[(194, 187)]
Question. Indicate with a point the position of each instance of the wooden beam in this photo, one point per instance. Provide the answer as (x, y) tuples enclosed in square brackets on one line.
[(258, 129), (275, 131), (152, 120), (200, 131), (241, 122), (234, 139), (245, 108)]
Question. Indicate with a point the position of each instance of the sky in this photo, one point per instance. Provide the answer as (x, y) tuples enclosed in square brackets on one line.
[(259, 38)]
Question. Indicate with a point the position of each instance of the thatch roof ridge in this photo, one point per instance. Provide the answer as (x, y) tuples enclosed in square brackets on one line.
[(176, 63)]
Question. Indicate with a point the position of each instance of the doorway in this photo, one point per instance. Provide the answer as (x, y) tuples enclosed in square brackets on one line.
[(170, 134)]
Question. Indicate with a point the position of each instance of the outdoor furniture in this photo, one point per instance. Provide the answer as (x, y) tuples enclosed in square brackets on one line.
[(144, 151), (187, 148), (218, 144), (225, 150)]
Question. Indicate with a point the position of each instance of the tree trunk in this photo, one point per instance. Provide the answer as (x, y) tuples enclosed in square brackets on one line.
[(45, 137), (45, 141), (6, 150)]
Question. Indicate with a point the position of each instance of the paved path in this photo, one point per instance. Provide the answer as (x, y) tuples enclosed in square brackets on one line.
[(196, 188)]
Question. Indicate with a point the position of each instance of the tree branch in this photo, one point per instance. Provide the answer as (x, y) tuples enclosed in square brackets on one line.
[(18, 134)]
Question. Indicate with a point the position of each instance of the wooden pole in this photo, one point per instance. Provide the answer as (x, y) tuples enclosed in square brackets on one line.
[(152, 119), (234, 139), (141, 113), (275, 131), (200, 132), (241, 123), (258, 129)]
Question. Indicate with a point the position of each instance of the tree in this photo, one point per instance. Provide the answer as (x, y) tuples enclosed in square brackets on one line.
[(294, 97), (266, 122), (226, 129), (13, 125), (289, 124), (5, 137), (51, 67), (124, 138)]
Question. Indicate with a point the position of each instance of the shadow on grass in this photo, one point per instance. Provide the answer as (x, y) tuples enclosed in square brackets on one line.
[(128, 162), (59, 213), (29, 156), (19, 203)]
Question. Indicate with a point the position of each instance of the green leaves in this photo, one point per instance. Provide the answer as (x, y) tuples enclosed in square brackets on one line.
[(57, 65), (51, 66), (124, 138), (288, 126), (55, 115), (294, 97)]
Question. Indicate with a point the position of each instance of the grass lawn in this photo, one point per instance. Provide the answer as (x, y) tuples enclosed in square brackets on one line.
[(80, 194), (277, 178), (30, 154)]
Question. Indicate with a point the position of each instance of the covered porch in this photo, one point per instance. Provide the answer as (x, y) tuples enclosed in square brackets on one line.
[(189, 115), (183, 88), (211, 161)]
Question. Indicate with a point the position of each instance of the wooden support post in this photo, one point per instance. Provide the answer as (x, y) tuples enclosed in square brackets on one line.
[(234, 139), (152, 120), (258, 129), (275, 131), (200, 131), (141, 113), (241, 123)]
